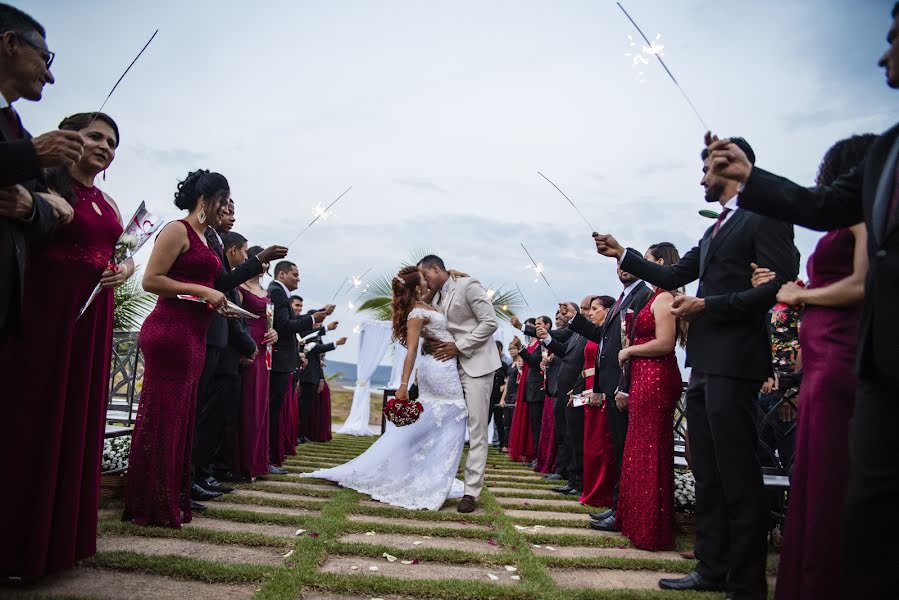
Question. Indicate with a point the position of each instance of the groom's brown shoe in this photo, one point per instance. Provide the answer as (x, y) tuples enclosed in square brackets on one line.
[(466, 505)]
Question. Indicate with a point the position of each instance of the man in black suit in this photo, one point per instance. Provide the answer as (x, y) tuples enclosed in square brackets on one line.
[(535, 383), (210, 410), (868, 194), (571, 356), (312, 377), (25, 211), (285, 357), (608, 373), (730, 354)]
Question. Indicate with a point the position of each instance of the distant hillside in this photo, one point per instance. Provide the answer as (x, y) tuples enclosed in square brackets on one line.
[(347, 373)]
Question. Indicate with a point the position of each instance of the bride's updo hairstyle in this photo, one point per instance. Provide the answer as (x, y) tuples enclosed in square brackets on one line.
[(212, 186), (405, 296)]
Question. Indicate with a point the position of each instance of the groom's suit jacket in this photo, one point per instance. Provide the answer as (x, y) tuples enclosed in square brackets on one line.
[(471, 320)]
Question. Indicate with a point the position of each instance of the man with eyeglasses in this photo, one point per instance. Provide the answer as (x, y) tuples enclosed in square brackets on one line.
[(26, 210)]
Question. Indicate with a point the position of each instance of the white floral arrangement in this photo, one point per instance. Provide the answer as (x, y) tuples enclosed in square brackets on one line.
[(115, 453), (684, 492)]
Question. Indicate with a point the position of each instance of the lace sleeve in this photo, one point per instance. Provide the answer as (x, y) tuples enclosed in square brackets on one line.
[(419, 313)]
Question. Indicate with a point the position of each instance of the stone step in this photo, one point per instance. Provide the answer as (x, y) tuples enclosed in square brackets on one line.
[(609, 579), (413, 542), (300, 486), (579, 531), (414, 522), (594, 552), (534, 492), (256, 508), (450, 506), (274, 496), (226, 553), (558, 500), (539, 515), (342, 565), (285, 531), (103, 584)]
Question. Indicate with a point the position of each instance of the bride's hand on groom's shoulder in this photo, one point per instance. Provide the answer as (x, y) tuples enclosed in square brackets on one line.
[(457, 274)]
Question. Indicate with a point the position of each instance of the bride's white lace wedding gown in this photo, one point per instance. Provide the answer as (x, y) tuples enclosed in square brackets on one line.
[(415, 466)]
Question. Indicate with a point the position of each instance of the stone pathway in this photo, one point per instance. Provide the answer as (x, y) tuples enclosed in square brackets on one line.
[(293, 538)]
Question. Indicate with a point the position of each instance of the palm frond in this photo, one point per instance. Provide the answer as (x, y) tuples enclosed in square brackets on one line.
[(132, 305)]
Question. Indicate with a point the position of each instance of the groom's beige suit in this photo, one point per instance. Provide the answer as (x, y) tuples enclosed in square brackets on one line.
[(471, 320)]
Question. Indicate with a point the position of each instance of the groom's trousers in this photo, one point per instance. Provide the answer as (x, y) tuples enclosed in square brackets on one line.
[(477, 398)]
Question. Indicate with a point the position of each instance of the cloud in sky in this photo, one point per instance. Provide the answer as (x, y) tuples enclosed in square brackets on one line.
[(440, 114)]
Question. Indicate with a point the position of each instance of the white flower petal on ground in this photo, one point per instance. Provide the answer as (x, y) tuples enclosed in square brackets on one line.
[(511, 569), (373, 569), (417, 543), (492, 577), (289, 554), (389, 557), (516, 577)]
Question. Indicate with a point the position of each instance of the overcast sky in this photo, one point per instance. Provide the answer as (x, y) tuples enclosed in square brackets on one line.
[(439, 114)]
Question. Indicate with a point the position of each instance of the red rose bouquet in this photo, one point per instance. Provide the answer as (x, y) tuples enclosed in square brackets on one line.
[(402, 412)]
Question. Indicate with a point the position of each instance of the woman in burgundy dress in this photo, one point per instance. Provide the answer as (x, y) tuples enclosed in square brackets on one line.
[(811, 561), (56, 376), (546, 453), (173, 340), (646, 492), (322, 432), (600, 471), (252, 437), (521, 436)]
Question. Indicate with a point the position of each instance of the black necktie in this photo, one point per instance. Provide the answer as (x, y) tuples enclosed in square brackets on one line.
[(617, 304), (13, 121)]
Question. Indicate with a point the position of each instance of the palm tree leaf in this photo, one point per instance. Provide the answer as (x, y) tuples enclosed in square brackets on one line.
[(132, 305)]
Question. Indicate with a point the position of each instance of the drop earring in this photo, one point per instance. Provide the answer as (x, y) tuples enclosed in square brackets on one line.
[(201, 216), (104, 174)]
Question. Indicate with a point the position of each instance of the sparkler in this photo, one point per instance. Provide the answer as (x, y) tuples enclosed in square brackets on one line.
[(319, 213), (538, 269), (656, 50), (340, 287), (573, 205), (523, 298), (108, 96)]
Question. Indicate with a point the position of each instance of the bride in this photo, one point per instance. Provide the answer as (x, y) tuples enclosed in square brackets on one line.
[(414, 466)]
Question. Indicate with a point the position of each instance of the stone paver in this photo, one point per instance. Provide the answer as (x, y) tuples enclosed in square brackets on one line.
[(582, 531), (227, 553), (103, 584), (557, 501), (411, 542), (609, 579), (413, 522), (532, 491), (449, 507), (426, 570), (275, 496), (300, 486), (256, 508), (538, 515), (286, 531), (594, 552)]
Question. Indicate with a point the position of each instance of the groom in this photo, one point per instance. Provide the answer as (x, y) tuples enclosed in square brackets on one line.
[(471, 319)]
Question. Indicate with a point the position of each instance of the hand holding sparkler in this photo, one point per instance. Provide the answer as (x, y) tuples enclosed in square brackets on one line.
[(608, 245), (271, 253), (727, 159)]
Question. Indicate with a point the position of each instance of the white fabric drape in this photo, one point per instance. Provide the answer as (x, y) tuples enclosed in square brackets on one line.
[(374, 339)]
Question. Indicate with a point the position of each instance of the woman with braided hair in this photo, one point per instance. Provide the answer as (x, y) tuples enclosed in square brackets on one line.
[(415, 466)]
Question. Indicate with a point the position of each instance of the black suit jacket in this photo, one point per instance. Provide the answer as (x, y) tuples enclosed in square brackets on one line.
[(570, 355), (862, 195), (608, 335), (534, 382), (731, 337), (314, 371), (285, 358), (18, 165), (223, 332)]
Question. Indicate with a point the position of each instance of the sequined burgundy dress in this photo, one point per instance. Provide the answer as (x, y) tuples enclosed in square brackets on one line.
[(646, 493), (55, 382), (173, 340)]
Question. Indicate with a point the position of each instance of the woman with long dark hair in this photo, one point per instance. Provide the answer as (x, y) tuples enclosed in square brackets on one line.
[(173, 340), (415, 466), (56, 376), (646, 492), (811, 561)]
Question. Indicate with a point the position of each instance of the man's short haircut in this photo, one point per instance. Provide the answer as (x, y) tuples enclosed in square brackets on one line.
[(547, 320), (577, 309), (530, 321), (13, 19), (296, 298), (740, 143), (430, 261), (283, 266), (232, 239)]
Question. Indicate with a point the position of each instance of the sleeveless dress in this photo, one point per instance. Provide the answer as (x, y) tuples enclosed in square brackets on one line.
[(600, 470), (415, 466), (289, 421), (55, 384), (811, 561), (173, 340), (252, 442), (521, 436), (646, 491), (320, 421), (546, 454)]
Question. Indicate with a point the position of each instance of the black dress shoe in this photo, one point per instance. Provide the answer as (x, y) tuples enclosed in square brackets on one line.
[(273, 470), (603, 515), (610, 524), (693, 581), (305, 440), (199, 494), (232, 477), (533, 463), (197, 507), (745, 596), (564, 489), (211, 485), (553, 477)]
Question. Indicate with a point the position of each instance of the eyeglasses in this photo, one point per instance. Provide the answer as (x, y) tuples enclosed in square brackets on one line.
[(45, 54)]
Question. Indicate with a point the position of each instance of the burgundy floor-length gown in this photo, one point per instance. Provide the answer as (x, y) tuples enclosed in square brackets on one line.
[(173, 340), (600, 471), (320, 419), (646, 492), (55, 382), (288, 423), (811, 562), (252, 437), (521, 437), (546, 454)]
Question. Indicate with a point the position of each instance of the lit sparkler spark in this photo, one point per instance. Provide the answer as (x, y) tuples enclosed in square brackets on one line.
[(350, 305), (321, 212), (505, 308), (357, 329), (538, 269), (641, 58), (491, 293), (356, 281)]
